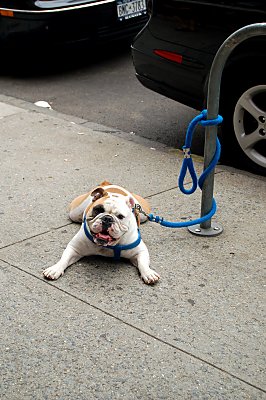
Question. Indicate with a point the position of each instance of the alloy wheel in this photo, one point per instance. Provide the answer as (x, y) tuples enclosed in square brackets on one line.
[(250, 123)]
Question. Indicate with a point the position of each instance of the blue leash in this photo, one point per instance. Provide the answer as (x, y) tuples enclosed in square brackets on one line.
[(188, 166)]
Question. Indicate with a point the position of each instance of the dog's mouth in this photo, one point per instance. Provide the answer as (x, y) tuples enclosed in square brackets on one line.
[(103, 238)]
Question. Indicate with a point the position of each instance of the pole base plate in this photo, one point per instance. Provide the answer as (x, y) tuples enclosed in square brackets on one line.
[(214, 230)]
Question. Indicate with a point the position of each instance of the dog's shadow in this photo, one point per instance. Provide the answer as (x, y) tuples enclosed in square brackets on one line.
[(101, 268)]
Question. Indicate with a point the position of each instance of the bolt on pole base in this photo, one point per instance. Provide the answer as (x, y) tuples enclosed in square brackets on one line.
[(214, 230)]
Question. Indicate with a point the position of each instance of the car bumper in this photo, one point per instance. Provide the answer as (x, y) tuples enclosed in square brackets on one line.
[(179, 82), (93, 22)]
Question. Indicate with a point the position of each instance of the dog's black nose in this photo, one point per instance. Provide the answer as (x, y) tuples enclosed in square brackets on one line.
[(107, 220)]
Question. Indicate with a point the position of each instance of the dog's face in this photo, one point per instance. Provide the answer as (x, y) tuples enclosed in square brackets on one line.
[(110, 217)]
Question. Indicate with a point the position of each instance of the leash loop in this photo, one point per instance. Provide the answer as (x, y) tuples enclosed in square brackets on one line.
[(188, 166)]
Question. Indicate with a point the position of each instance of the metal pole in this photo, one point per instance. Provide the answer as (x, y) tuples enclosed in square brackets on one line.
[(207, 228)]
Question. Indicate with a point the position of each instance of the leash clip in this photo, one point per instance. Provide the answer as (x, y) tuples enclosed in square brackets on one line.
[(138, 208), (186, 152)]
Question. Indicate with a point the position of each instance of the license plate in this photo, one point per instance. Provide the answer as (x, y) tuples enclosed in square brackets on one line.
[(130, 8)]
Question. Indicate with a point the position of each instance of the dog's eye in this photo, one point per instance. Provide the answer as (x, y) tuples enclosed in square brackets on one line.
[(97, 210), (120, 216)]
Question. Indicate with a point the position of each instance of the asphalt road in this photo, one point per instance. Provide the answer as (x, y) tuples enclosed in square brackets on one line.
[(99, 86)]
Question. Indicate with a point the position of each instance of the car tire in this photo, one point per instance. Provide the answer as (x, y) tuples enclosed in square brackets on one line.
[(243, 131)]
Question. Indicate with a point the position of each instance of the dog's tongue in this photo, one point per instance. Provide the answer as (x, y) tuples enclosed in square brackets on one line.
[(102, 236)]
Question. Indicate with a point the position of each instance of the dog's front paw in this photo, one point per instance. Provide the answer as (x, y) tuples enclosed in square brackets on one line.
[(53, 272), (150, 276)]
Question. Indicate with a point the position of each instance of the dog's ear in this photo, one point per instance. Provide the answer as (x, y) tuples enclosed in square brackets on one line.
[(98, 193), (130, 202)]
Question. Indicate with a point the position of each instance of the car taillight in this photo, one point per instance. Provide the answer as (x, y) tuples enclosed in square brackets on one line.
[(169, 55)]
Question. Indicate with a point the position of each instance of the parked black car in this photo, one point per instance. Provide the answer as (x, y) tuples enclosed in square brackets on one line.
[(173, 54), (38, 22)]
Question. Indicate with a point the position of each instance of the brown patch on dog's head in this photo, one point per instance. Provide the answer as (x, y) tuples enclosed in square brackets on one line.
[(117, 190)]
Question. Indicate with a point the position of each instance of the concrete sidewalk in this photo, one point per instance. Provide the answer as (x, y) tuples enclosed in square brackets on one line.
[(99, 332)]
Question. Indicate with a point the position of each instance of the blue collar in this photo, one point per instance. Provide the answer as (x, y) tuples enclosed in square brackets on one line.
[(117, 248)]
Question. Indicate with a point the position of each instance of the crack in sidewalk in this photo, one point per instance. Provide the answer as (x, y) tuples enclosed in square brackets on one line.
[(70, 223), (136, 328), (36, 235)]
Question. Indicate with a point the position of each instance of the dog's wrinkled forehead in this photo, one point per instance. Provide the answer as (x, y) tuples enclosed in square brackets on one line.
[(115, 204), (112, 203)]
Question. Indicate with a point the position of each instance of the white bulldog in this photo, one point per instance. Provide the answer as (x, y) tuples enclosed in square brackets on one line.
[(110, 227)]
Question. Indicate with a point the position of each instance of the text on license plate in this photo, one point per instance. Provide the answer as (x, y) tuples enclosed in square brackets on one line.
[(130, 8)]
